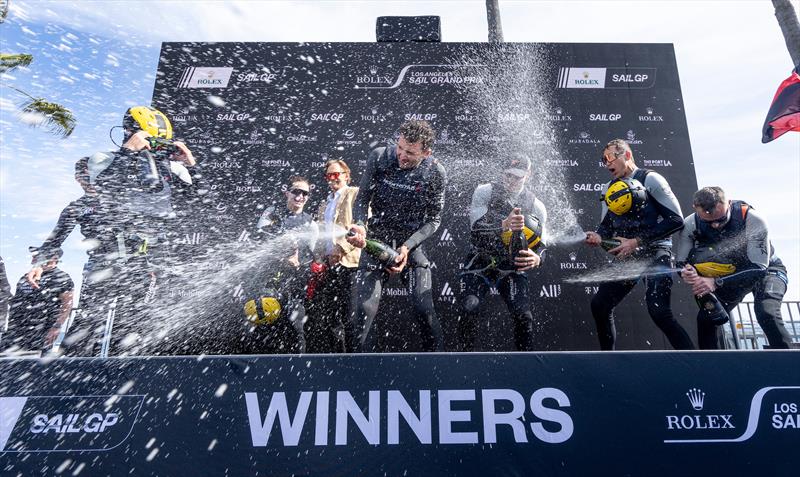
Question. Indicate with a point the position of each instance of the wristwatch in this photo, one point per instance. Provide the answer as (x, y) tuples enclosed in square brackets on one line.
[(718, 281)]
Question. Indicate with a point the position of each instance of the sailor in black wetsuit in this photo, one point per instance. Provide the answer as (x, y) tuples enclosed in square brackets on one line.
[(498, 209), (84, 213), (735, 239), (291, 234), (642, 213), (404, 188)]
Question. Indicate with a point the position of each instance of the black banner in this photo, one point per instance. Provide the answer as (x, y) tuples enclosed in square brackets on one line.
[(653, 414), (258, 113)]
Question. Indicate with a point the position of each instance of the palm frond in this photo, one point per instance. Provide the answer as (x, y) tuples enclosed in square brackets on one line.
[(9, 61), (3, 10), (56, 118)]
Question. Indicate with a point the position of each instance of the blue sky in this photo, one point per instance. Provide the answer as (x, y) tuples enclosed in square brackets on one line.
[(100, 57)]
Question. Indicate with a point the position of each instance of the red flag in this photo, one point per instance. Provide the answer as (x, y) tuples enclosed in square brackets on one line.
[(784, 114)]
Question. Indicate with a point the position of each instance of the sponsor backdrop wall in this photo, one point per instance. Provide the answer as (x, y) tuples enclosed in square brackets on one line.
[(257, 113), (424, 414)]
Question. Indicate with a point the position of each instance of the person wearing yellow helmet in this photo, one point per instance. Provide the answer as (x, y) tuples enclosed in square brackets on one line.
[(143, 190), (725, 250), (641, 213), (500, 209)]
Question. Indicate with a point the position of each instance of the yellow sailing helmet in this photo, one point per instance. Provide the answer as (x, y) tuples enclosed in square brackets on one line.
[(263, 310), (625, 195), (533, 236), (147, 119)]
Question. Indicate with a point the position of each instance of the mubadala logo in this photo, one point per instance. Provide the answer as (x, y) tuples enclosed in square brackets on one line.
[(447, 295), (550, 291), (205, 77), (326, 117), (587, 187), (650, 116), (67, 423), (584, 138), (657, 163), (605, 117), (539, 415), (573, 263), (466, 162), (631, 137)]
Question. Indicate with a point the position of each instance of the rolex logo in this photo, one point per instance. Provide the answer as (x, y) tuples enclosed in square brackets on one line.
[(573, 256), (649, 110), (373, 70), (696, 398)]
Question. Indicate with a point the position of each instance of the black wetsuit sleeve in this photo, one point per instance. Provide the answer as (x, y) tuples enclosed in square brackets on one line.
[(433, 208), (66, 223), (366, 188), (605, 229)]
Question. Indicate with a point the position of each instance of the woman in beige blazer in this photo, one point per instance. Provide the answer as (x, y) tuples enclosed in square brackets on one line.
[(329, 307)]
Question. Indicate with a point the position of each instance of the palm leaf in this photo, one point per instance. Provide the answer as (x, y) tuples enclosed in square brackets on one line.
[(10, 61), (3, 10), (56, 118)]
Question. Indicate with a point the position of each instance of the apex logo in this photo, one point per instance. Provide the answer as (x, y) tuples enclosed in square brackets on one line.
[(447, 294), (446, 238), (244, 236)]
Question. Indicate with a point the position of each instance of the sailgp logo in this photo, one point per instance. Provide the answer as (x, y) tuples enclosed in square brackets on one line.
[(67, 423), (205, 77), (707, 422)]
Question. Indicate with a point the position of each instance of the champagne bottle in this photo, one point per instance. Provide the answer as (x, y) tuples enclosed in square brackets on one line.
[(711, 309), (517, 242), (380, 251), (608, 244)]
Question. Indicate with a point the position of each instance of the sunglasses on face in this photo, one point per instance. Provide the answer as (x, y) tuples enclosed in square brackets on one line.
[(611, 157), (297, 192), (720, 221), (332, 176)]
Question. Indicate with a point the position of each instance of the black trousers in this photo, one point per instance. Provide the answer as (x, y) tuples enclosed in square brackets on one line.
[(768, 292), (328, 311), (366, 299), (658, 298), (515, 291)]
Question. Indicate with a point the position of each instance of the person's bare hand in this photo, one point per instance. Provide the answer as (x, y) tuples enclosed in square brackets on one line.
[(33, 276), (399, 261), (138, 141), (357, 236), (515, 221), (527, 259), (593, 239), (625, 248), (184, 155)]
